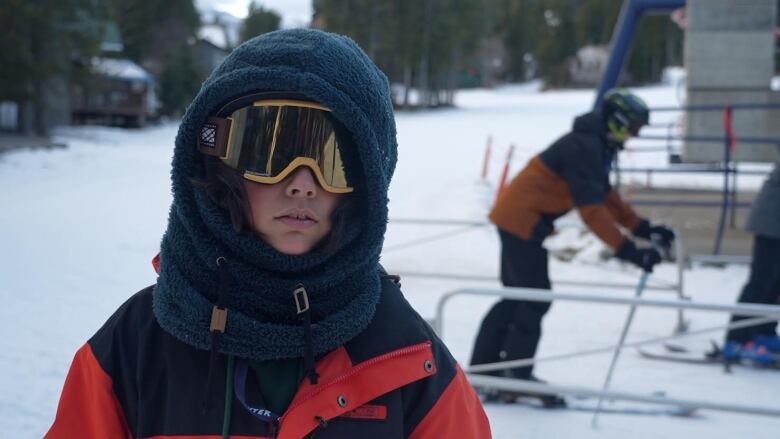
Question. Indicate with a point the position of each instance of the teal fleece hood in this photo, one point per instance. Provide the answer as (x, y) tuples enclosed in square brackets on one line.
[(342, 282)]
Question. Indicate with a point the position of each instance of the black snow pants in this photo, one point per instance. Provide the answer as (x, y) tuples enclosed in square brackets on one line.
[(763, 286), (512, 328)]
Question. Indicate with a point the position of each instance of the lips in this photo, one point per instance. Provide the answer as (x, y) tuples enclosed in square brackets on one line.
[(298, 218)]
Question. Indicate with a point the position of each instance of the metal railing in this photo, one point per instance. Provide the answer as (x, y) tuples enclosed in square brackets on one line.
[(761, 313), (728, 168), (676, 287), (764, 313), (540, 295)]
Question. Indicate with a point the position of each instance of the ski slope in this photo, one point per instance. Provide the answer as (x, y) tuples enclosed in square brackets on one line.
[(79, 226)]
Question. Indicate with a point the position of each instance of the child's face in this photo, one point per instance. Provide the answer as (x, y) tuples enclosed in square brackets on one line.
[(293, 215)]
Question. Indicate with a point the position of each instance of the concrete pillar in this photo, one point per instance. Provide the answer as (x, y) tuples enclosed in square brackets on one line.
[(729, 55)]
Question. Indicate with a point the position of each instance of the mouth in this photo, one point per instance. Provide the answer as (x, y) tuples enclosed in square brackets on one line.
[(298, 218)]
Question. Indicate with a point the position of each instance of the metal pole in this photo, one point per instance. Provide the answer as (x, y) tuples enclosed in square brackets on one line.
[(728, 140), (721, 259), (689, 169), (639, 288), (618, 48), (672, 124), (430, 238), (577, 283), (680, 254), (438, 222), (616, 170), (538, 295), (734, 195), (630, 13)]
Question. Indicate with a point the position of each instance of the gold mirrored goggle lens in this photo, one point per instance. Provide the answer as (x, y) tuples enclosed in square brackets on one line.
[(272, 138)]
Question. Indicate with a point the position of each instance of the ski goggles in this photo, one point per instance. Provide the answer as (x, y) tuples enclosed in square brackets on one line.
[(269, 139)]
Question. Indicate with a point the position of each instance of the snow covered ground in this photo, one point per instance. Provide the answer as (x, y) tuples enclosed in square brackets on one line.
[(78, 227)]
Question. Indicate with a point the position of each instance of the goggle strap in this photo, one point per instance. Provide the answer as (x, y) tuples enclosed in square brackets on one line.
[(213, 139)]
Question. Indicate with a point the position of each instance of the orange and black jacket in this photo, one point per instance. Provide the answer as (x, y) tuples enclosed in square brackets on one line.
[(571, 173), (394, 380)]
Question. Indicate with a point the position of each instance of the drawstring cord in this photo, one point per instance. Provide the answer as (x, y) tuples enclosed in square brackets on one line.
[(304, 313), (217, 327), (228, 398)]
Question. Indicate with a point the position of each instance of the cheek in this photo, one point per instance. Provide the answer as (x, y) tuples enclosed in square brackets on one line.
[(330, 202), (258, 197)]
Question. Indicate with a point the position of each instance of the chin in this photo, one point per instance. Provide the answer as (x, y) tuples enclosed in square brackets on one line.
[(293, 248)]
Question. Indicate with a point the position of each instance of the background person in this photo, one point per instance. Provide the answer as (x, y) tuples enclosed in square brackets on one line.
[(760, 343), (573, 172)]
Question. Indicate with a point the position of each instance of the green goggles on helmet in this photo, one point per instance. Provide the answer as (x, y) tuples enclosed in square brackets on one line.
[(269, 139), (625, 113)]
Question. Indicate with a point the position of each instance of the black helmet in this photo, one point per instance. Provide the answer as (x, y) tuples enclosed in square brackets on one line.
[(624, 113)]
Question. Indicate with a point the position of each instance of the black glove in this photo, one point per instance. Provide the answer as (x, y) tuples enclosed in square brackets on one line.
[(662, 234), (644, 258)]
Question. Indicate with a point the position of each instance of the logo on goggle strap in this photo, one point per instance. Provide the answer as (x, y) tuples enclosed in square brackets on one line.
[(208, 135)]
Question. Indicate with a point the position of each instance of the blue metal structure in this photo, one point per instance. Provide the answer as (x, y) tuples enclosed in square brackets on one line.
[(628, 21)]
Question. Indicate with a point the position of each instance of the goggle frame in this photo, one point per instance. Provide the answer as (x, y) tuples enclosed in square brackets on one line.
[(216, 140)]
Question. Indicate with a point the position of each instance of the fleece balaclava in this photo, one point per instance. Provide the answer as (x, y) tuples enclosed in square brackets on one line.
[(342, 281)]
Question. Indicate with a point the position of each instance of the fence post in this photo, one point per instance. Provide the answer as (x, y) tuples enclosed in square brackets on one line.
[(486, 161), (734, 200), (505, 172), (728, 138)]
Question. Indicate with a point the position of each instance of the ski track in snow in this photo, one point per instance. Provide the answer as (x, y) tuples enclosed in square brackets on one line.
[(80, 226)]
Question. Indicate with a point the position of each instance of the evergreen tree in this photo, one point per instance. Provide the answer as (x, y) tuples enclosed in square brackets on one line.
[(421, 43), (153, 29), (552, 31), (557, 40), (517, 30), (456, 32), (159, 35), (180, 81), (596, 20), (416, 43), (657, 44), (259, 21), (41, 40)]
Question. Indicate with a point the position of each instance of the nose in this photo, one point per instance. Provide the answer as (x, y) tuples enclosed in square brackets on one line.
[(302, 184)]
